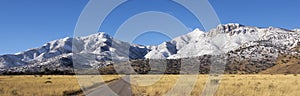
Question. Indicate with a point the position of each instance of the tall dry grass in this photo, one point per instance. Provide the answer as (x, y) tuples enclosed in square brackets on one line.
[(50, 85), (230, 85), (36, 86)]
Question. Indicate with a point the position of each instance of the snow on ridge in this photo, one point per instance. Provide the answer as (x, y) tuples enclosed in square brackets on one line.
[(223, 38), (99, 44), (296, 30)]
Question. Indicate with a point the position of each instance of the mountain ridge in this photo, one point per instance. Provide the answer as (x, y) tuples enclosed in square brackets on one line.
[(102, 47)]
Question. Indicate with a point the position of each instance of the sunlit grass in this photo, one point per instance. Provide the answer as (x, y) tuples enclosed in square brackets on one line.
[(230, 85), (154, 85), (48, 85)]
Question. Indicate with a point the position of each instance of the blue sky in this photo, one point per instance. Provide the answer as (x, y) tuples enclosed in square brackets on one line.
[(28, 24)]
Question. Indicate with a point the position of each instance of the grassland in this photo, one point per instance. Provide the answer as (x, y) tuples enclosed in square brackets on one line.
[(48, 85), (230, 85)]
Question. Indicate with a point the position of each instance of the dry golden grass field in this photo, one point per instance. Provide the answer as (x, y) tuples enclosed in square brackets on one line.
[(230, 85), (47, 85)]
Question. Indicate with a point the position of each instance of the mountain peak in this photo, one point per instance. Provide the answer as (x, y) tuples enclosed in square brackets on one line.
[(196, 30), (229, 26), (232, 24), (98, 35), (103, 34)]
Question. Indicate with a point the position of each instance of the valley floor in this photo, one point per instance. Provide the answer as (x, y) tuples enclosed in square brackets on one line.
[(157, 85)]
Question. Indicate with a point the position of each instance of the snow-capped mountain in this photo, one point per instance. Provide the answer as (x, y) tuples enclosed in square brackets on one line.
[(101, 47), (49, 50), (223, 39)]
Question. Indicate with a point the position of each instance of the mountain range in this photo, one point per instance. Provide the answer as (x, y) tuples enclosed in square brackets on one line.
[(99, 50)]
